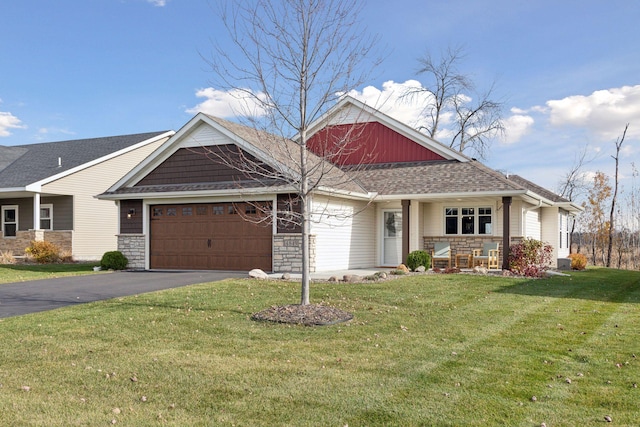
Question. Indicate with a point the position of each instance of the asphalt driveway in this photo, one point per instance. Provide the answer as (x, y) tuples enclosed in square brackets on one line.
[(48, 294)]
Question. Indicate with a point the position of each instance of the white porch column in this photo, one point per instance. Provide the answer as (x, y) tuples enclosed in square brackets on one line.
[(36, 211)]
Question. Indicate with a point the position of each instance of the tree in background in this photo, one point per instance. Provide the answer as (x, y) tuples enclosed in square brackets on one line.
[(595, 224), (573, 186), (614, 198), (474, 118), (289, 61)]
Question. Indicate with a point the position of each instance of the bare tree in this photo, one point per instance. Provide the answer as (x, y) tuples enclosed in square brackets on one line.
[(612, 212), (289, 61), (475, 118), (574, 185)]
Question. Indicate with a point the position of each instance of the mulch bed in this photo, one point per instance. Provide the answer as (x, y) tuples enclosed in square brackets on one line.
[(309, 315)]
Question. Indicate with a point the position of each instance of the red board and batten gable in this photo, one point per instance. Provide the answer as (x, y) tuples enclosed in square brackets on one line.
[(367, 143)]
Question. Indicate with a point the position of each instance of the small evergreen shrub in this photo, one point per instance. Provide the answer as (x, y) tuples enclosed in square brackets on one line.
[(43, 252), (530, 258), (578, 261), (113, 260), (418, 258)]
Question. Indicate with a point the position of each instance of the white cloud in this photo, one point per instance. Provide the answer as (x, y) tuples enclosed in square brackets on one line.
[(226, 104), (517, 126), (158, 3), (9, 121), (604, 112)]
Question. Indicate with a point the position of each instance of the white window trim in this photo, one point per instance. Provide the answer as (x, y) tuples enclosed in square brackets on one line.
[(50, 207), (476, 222), (10, 207)]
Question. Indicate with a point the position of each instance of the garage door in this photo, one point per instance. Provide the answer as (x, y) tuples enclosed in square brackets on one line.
[(209, 237)]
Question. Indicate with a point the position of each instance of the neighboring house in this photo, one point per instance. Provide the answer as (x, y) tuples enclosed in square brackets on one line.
[(412, 193), (47, 191)]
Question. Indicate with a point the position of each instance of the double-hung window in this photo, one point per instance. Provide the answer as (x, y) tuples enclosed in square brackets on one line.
[(467, 220), (46, 217), (9, 221)]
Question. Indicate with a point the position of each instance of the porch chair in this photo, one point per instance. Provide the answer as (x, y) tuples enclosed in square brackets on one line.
[(489, 254), (441, 252)]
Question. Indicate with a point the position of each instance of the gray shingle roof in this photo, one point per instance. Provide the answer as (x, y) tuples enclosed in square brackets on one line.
[(537, 189), (25, 164), (433, 177)]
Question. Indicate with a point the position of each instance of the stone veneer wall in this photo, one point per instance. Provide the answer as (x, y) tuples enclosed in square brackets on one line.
[(464, 244), (17, 245), (287, 253), (132, 246)]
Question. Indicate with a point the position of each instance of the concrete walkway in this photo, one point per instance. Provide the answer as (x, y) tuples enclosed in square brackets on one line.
[(48, 294)]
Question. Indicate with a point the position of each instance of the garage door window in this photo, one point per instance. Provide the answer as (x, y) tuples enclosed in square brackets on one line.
[(187, 211), (218, 210), (172, 212), (157, 211)]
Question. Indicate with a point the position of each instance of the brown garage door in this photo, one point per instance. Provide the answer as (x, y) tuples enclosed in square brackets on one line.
[(209, 237)]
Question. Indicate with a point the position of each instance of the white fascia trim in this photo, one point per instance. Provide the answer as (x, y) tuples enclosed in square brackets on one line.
[(37, 186), (186, 194), (13, 189), (570, 206), (327, 191), (213, 199), (452, 195)]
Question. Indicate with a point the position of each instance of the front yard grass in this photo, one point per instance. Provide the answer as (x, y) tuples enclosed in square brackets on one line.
[(10, 273), (442, 350)]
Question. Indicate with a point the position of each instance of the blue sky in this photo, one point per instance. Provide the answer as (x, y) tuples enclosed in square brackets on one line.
[(567, 71)]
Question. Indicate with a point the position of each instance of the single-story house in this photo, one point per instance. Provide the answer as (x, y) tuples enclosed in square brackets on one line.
[(47, 191), (393, 190)]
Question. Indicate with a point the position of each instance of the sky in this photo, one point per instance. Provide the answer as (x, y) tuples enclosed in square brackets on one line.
[(567, 72)]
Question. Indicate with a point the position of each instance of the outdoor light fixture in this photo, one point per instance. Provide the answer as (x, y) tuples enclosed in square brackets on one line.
[(131, 213)]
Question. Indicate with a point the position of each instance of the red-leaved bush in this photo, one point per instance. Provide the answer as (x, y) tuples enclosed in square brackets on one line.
[(530, 258)]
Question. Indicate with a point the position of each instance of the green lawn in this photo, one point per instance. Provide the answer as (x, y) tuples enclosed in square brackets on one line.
[(21, 272), (449, 350)]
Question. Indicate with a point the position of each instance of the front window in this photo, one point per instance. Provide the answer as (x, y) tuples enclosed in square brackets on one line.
[(46, 217), (9, 221), (459, 220)]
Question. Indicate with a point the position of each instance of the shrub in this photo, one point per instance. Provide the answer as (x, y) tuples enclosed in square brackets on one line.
[(578, 261), (418, 258), (530, 257), (113, 260), (43, 252)]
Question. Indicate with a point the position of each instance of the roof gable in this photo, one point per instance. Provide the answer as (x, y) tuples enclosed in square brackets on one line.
[(350, 111), (279, 154), (367, 143)]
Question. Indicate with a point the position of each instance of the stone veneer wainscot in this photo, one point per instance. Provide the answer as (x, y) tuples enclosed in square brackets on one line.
[(287, 253), (132, 246)]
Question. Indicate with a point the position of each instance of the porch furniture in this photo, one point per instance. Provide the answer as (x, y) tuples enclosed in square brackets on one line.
[(489, 255), (467, 258), (441, 252)]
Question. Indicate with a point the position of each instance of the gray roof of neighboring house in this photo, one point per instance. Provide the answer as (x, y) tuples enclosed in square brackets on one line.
[(25, 164)]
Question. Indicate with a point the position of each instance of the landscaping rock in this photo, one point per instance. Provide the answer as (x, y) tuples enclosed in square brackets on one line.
[(333, 279), (286, 276), (420, 269), (351, 278), (403, 268), (480, 270), (256, 273), (382, 275)]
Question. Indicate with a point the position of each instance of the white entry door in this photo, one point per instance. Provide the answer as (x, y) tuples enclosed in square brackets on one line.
[(392, 238)]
